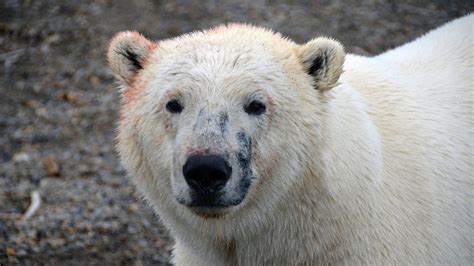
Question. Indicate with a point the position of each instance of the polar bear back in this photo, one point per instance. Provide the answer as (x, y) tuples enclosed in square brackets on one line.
[(420, 98)]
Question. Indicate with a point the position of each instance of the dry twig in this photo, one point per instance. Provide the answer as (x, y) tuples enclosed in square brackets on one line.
[(34, 206)]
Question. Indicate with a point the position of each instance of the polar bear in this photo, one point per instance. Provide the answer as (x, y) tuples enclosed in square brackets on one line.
[(255, 150)]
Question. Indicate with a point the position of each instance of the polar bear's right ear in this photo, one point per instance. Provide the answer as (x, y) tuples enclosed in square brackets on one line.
[(323, 59), (127, 53)]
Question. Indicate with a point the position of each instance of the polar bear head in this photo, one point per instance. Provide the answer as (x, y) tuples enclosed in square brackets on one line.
[(221, 123)]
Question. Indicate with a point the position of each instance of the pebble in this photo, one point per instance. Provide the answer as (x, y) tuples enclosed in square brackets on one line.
[(21, 157), (51, 166)]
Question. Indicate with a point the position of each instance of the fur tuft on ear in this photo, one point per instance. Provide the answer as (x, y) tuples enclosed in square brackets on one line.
[(323, 59), (127, 53)]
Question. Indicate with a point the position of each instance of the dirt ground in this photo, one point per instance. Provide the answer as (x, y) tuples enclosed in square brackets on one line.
[(59, 102)]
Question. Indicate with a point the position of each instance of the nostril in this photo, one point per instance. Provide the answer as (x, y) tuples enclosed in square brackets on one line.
[(206, 172)]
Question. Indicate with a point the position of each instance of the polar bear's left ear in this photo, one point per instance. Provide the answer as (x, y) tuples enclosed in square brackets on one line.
[(127, 53), (323, 59)]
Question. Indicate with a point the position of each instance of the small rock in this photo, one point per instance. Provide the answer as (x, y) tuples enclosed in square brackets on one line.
[(51, 166), (52, 39), (71, 230), (73, 98), (59, 85), (22, 253), (133, 207), (94, 80), (21, 157), (33, 104), (11, 252), (42, 112), (58, 242), (85, 170)]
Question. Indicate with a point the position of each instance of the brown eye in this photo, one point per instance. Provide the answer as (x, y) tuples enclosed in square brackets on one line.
[(255, 108), (174, 107)]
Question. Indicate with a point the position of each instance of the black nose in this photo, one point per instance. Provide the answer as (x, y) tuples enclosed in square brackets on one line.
[(206, 172)]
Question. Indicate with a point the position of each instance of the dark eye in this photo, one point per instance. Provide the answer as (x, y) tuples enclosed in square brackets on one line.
[(255, 108), (174, 107)]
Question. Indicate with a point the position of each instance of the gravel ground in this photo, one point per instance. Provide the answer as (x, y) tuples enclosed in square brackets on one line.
[(58, 107)]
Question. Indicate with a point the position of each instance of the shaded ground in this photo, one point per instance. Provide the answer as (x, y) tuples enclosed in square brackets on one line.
[(58, 106)]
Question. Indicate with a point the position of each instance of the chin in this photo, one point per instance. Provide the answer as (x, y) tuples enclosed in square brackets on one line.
[(210, 208)]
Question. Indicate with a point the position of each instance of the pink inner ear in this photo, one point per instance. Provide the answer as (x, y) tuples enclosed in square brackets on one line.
[(137, 37), (136, 83), (130, 39)]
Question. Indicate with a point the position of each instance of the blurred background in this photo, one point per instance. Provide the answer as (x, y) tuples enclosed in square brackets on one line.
[(59, 106)]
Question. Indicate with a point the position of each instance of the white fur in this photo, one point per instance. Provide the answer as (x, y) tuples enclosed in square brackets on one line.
[(376, 170)]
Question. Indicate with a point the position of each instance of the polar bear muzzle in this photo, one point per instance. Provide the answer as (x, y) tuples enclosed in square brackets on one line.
[(206, 175), (217, 180)]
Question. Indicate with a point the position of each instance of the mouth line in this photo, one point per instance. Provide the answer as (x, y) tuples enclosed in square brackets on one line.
[(210, 212), (209, 209), (210, 204)]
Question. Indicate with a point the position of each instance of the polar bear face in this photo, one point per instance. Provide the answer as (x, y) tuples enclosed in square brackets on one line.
[(220, 121)]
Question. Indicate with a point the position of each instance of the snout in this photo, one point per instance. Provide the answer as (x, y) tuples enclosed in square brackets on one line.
[(206, 175), (212, 171)]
